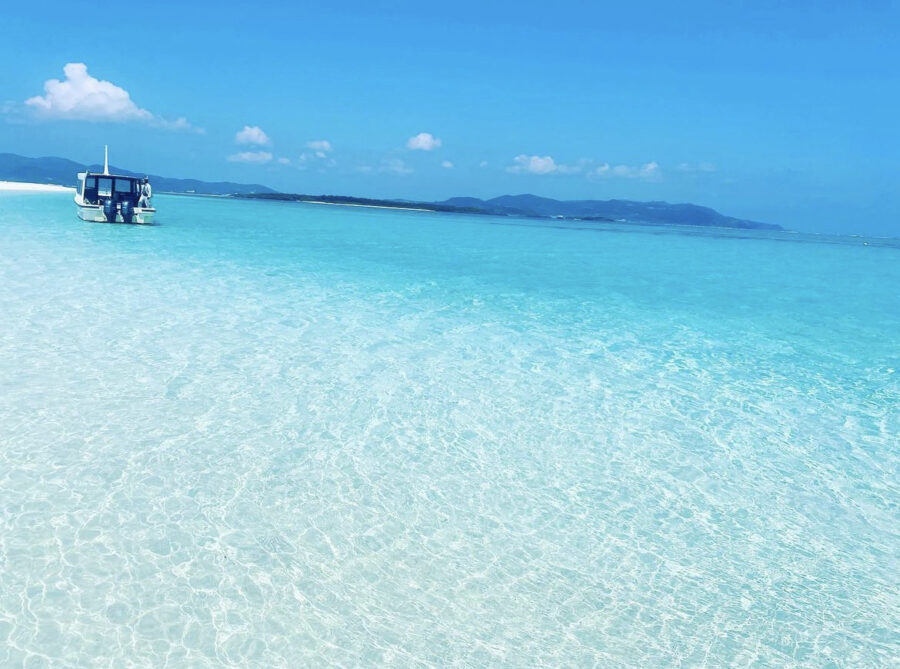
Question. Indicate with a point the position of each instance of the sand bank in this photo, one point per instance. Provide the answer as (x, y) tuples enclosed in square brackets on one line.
[(22, 187)]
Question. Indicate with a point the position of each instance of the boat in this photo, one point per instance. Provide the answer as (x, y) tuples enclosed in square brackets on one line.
[(111, 198)]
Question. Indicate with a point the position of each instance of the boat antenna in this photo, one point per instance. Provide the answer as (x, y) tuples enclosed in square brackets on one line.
[(105, 159)]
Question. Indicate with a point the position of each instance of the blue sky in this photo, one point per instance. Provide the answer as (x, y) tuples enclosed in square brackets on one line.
[(775, 111)]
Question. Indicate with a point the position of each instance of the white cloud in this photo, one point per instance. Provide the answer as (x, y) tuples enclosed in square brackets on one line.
[(424, 141), (320, 146), (85, 98), (523, 164), (252, 134), (649, 170), (82, 97), (284, 161), (447, 164), (258, 157), (394, 166), (318, 159), (180, 123)]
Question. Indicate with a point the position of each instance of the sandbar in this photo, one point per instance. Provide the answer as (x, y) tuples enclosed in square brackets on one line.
[(23, 187)]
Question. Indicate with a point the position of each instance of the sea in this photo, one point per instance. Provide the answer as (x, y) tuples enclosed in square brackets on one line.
[(273, 434)]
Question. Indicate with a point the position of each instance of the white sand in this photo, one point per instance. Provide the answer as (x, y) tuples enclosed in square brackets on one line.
[(22, 187)]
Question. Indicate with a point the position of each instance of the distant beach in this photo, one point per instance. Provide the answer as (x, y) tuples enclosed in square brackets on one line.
[(23, 187)]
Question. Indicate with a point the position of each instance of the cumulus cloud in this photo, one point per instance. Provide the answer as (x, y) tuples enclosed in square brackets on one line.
[(85, 98), (252, 134), (447, 164), (257, 157), (424, 141), (320, 145), (284, 161), (81, 97), (394, 166), (524, 164), (532, 165), (649, 170)]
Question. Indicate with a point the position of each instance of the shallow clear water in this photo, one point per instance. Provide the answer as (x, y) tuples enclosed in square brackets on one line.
[(287, 435)]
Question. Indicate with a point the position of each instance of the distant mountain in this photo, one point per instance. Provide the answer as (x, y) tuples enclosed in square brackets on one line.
[(532, 206), (626, 211), (62, 171)]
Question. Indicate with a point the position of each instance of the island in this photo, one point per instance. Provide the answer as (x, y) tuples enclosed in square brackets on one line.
[(533, 206), (61, 171)]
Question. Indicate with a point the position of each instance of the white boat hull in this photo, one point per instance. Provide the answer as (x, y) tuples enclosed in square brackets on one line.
[(94, 213)]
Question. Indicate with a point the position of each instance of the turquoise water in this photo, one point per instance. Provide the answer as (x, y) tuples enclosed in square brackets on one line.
[(268, 434)]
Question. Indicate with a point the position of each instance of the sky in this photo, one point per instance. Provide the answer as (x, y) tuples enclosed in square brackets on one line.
[(783, 112)]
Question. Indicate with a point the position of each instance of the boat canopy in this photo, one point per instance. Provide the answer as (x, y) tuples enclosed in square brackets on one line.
[(115, 186)]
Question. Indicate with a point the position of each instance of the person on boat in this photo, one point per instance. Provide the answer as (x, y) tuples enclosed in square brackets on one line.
[(146, 193)]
